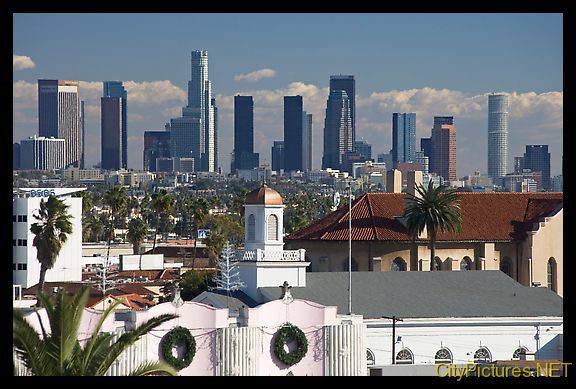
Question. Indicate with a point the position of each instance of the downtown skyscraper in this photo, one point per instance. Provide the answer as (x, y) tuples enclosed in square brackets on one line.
[(443, 140), (244, 156), (347, 83), (116, 89), (403, 138), (111, 121), (59, 116), (195, 133), (497, 135), (293, 133), (537, 159), (337, 130)]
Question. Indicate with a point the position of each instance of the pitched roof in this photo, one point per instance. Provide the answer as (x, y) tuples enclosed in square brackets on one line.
[(486, 293), (499, 216), (132, 301), (218, 299)]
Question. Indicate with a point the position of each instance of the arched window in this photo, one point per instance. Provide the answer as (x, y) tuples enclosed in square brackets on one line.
[(354, 265), (272, 227), (437, 264), (443, 356), (519, 351), (506, 266), (405, 357), (466, 264), (398, 264), (251, 228), (482, 355), (552, 276), (370, 360)]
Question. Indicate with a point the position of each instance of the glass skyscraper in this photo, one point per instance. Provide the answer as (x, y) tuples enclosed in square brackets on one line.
[(347, 83), (337, 130), (59, 116), (403, 138), (537, 159), (293, 133), (497, 135), (116, 89), (244, 156)]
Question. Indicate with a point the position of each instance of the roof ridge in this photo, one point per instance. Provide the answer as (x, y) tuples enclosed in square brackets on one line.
[(371, 213)]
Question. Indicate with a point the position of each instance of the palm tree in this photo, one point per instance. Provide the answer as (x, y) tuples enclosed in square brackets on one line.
[(436, 209), (161, 202), (59, 353), (137, 232), (51, 232), (116, 199), (199, 211)]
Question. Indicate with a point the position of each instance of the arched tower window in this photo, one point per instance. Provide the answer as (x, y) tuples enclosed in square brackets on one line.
[(482, 355), (398, 264), (519, 352), (272, 227), (466, 264), (552, 274), (370, 359), (251, 228), (443, 356), (405, 357), (437, 264)]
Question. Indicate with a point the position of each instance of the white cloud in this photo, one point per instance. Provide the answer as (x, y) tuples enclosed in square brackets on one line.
[(256, 75), (154, 92), (21, 62)]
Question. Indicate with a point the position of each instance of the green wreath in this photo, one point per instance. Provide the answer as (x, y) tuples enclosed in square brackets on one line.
[(173, 337), (285, 334)]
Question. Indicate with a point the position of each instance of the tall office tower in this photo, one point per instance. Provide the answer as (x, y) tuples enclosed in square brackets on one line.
[(306, 141), (337, 130), (497, 135), (443, 161), (537, 159), (15, 156), (200, 108), (215, 108), (348, 84), (41, 153), (363, 148), (83, 132), (440, 120), (424, 161), (403, 137), (518, 165), (116, 89), (111, 136), (59, 116), (244, 156), (278, 156), (293, 133), (156, 145)]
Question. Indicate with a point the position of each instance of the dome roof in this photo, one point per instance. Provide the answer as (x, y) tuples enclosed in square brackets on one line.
[(264, 196)]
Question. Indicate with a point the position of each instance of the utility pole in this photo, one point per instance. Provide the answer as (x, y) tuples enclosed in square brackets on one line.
[(350, 248), (394, 320)]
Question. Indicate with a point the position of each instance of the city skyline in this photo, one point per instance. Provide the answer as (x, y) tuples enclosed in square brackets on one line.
[(528, 66)]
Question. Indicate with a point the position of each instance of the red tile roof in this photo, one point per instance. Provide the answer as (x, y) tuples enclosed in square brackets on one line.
[(500, 216), (133, 301)]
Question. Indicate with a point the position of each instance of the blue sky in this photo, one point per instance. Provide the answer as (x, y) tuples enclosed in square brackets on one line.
[(431, 64)]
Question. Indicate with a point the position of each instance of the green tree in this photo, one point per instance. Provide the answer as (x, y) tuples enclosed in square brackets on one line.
[(59, 353), (199, 210), (161, 203), (215, 243), (50, 232), (116, 199), (137, 232), (194, 282), (436, 209)]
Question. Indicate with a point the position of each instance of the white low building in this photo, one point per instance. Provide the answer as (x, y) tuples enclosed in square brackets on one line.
[(25, 265)]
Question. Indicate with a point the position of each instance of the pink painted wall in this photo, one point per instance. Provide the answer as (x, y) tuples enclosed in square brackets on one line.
[(309, 317), (202, 321)]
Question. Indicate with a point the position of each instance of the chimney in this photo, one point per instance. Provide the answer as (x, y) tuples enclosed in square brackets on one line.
[(394, 181), (414, 178)]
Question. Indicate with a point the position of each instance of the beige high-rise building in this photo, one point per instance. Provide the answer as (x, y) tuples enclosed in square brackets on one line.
[(443, 161)]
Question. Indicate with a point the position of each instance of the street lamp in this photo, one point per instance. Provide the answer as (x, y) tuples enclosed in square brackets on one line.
[(350, 248), (394, 340)]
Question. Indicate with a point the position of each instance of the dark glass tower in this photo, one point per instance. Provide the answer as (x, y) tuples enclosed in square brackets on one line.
[(244, 156), (337, 130), (537, 159), (293, 133), (403, 137), (116, 89), (348, 84)]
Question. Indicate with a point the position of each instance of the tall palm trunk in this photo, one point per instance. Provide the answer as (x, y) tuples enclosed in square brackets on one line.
[(43, 269), (432, 249), (156, 232)]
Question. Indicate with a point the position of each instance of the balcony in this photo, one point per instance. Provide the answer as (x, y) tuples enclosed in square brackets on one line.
[(261, 255)]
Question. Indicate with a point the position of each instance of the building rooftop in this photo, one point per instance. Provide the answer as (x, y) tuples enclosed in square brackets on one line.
[(500, 216), (439, 294), (264, 195)]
